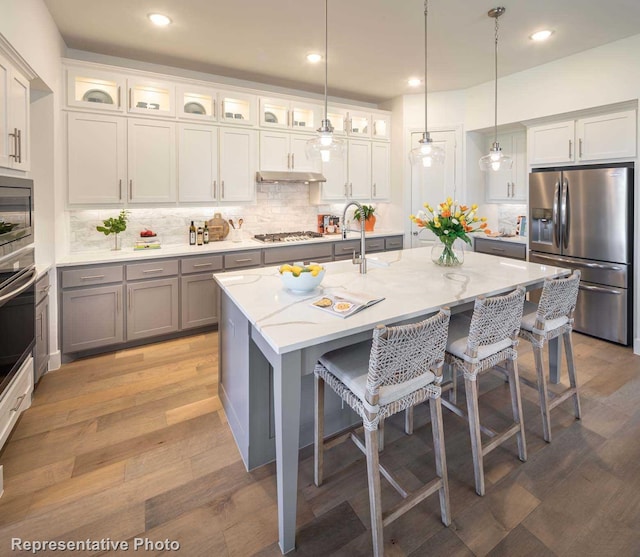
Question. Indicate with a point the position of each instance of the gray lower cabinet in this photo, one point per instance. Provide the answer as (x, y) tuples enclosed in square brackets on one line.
[(199, 301), (92, 318), (41, 353), (152, 308), (502, 248)]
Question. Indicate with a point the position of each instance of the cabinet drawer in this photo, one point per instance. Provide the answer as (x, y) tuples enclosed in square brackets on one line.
[(16, 399), (501, 248), (42, 288), (345, 249), (242, 259), (91, 276), (374, 244), (200, 264), (153, 269), (290, 254), (395, 242)]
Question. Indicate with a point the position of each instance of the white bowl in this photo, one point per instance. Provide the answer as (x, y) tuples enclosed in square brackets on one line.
[(305, 282)]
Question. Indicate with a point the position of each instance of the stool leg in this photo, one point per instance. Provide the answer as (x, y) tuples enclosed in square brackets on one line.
[(543, 394), (318, 434), (435, 407), (471, 391), (381, 435), (375, 494), (516, 405), (568, 348), (408, 421), (453, 392)]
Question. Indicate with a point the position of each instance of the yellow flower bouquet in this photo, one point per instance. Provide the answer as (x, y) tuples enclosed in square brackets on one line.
[(451, 221)]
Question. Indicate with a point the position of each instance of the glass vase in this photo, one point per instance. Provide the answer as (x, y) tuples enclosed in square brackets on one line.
[(448, 254), (116, 242)]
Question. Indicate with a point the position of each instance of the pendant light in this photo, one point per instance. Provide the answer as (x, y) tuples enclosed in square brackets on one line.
[(427, 153), (325, 145), (496, 159)]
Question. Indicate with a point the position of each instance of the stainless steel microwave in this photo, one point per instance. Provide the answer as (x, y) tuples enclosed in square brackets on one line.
[(16, 213)]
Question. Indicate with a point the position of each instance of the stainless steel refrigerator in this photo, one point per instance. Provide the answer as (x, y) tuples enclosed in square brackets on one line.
[(582, 218)]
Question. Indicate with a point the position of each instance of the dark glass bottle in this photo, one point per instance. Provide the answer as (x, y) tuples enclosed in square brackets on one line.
[(192, 234)]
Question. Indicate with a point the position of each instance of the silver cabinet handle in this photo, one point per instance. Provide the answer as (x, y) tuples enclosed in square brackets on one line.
[(201, 265), (351, 189), (19, 140), (215, 187), (222, 109), (513, 189), (18, 403), (497, 249), (222, 185), (288, 161), (243, 260), (120, 189), (130, 190), (374, 189), (580, 148), (570, 145), (213, 106), (130, 96), (129, 299), (153, 270), (92, 277), (118, 308), (375, 132), (14, 156), (119, 96), (293, 161), (346, 189)]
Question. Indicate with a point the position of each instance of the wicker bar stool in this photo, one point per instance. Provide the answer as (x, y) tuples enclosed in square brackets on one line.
[(550, 318), (400, 369), (476, 345)]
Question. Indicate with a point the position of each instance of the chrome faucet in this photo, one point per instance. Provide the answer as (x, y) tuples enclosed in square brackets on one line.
[(362, 260)]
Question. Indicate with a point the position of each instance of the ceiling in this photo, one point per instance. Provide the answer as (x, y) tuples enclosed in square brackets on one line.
[(374, 45)]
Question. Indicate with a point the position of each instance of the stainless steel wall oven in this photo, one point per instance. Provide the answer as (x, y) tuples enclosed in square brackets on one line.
[(17, 276)]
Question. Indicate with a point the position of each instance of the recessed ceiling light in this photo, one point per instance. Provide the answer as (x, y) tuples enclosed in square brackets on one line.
[(541, 35), (159, 19), (314, 58), (414, 81)]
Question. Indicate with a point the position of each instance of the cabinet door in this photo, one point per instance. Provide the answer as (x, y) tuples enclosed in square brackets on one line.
[(381, 126), (197, 163), (196, 103), (238, 108), (151, 163), (151, 98), (498, 182), (339, 120), (6, 142), (335, 188), (359, 169), (608, 136), (95, 90), (41, 353), (19, 120), (96, 158), (519, 172), (274, 151), (199, 301), (359, 124), (552, 143), (92, 318), (299, 160), (380, 171), (152, 308), (238, 162), (306, 117)]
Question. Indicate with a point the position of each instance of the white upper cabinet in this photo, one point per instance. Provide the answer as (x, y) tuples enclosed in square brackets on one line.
[(338, 119), (198, 163), (14, 118), (359, 169), (238, 164), (196, 103), (288, 114), (95, 89), (508, 185), (285, 151), (96, 158), (380, 126), (336, 173), (380, 171), (151, 98), (151, 161), (236, 108), (598, 138)]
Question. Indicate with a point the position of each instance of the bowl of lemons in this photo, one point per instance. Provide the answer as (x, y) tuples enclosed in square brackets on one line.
[(301, 278)]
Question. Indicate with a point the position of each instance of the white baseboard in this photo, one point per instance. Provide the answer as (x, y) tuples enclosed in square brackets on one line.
[(55, 361)]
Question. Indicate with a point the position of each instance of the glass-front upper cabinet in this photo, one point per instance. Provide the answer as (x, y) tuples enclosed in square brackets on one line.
[(338, 119), (196, 103), (381, 126), (237, 108), (359, 124), (95, 89), (151, 98), (287, 114)]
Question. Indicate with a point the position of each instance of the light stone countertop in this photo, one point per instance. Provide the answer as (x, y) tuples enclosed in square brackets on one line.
[(410, 282), (129, 254)]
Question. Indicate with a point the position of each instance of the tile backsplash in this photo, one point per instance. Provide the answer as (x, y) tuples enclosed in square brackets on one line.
[(277, 208), (508, 217)]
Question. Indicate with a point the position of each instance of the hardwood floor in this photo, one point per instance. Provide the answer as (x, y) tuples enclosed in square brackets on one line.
[(135, 444)]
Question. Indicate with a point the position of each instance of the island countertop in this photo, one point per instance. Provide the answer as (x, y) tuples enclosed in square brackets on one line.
[(410, 282)]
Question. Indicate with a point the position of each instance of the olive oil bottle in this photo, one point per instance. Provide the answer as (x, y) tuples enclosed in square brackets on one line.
[(192, 234)]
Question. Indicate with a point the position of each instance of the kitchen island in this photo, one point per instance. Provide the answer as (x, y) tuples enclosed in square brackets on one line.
[(270, 339)]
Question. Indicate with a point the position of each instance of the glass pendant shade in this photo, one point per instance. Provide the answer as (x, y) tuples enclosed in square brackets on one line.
[(325, 146), (427, 153), (495, 160)]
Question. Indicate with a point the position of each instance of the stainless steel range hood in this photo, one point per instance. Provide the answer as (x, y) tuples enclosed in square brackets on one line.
[(284, 177)]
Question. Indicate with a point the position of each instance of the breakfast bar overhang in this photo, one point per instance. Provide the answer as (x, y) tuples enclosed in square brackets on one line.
[(270, 340)]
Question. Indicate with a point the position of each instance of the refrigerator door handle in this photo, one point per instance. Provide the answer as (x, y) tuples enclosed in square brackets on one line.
[(564, 212), (576, 263), (556, 221), (600, 289)]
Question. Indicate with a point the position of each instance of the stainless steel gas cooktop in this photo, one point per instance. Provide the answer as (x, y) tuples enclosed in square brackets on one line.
[(287, 237)]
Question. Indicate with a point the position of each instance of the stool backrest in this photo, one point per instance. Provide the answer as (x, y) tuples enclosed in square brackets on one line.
[(404, 352), (559, 297), (495, 319)]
